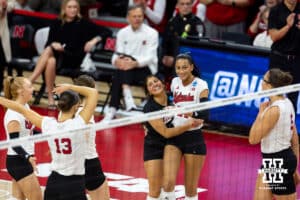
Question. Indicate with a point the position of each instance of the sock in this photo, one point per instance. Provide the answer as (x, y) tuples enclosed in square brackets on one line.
[(151, 198), (110, 114), (128, 99), (191, 198), (168, 195), (127, 92)]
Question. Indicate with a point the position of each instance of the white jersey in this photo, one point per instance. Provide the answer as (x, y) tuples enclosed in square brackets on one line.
[(186, 95), (280, 136), (26, 129), (91, 151), (67, 151)]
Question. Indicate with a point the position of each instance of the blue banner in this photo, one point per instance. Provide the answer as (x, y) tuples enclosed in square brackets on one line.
[(231, 73)]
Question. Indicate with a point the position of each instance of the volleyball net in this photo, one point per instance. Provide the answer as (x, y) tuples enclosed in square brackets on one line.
[(159, 114), (229, 171)]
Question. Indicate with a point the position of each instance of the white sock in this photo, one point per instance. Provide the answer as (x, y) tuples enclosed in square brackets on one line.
[(191, 198), (110, 114), (168, 195), (128, 99), (151, 198)]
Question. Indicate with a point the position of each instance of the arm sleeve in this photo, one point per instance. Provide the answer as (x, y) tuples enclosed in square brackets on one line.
[(156, 15), (203, 114), (18, 149)]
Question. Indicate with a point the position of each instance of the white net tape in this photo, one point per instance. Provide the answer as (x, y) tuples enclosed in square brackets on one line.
[(156, 115)]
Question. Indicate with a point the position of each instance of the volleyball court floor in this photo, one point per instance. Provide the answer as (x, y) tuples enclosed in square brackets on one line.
[(229, 171)]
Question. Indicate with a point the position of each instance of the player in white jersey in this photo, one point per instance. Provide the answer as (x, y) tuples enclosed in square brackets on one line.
[(20, 160), (274, 127), (95, 181), (187, 88), (66, 181)]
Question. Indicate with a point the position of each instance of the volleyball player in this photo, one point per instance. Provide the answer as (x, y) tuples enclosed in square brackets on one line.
[(95, 181), (274, 127), (66, 181), (157, 132), (187, 89), (20, 160)]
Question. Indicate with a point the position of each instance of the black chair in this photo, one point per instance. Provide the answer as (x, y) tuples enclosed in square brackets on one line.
[(22, 47), (101, 56)]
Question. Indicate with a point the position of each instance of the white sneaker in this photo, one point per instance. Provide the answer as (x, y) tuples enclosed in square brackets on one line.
[(109, 115)]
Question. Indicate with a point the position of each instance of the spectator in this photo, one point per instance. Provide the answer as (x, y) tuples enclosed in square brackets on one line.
[(135, 58), (5, 48), (70, 37), (47, 6), (155, 12), (225, 16), (259, 25), (263, 39), (284, 30), (184, 24), (198, 8)]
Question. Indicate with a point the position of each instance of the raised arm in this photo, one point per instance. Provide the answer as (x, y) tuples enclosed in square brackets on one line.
[(278, 33), (30, 115), (91, 98)]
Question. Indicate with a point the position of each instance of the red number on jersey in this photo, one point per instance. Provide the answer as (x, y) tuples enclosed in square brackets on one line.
[(63, 145)]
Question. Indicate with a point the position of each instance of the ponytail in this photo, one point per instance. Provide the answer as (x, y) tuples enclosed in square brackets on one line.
[(12, 85), (7, 84)]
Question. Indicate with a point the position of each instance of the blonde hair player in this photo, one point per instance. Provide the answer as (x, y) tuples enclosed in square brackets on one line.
[(274, 128), (20, 160)]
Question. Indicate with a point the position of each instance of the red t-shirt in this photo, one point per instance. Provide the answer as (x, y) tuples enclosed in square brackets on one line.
[(226, 15)]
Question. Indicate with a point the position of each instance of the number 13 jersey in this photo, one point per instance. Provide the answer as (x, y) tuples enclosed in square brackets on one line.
[(67, 150)]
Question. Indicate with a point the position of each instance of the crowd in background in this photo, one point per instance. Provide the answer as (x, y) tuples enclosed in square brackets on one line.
[(242, 16)]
